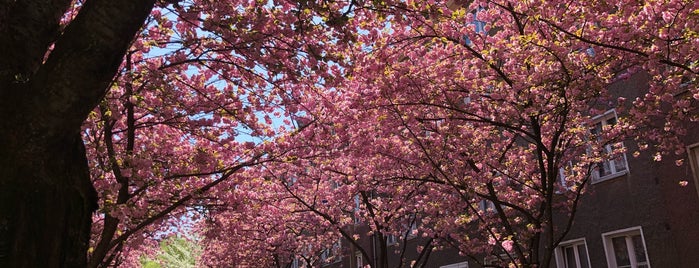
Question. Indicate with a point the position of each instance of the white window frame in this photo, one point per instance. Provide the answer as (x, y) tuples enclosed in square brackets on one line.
[(463, 264), (560, 255), (693, 157), (563, 175), (602, 119), (359, 259), (628, 232)]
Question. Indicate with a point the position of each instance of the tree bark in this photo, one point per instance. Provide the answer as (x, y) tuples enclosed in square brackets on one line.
[(46, 196), (46, 205)]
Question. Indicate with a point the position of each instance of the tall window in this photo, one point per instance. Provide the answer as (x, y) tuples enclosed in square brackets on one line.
[(391, 239), (614, 165), (359, 259), (572, 254), (626, 249)]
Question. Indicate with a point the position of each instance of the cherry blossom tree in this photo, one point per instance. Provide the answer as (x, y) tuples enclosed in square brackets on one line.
[(197, 101), (178, 97), (419, 107), (488, 103)]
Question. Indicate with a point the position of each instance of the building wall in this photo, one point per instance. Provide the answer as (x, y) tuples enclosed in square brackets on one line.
[(649, 196)]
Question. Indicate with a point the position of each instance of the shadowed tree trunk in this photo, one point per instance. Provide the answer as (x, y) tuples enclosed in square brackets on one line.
[(46, 196), (46, 203)]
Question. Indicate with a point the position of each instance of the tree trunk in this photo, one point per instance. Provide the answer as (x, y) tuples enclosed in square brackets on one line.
[(50, 185), (46, 196)]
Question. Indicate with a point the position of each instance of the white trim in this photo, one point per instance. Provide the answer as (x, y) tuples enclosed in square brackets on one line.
[(560, 260), (359, 259), (602, 115), (693, 158), (610, 176), (595, 178), (609, 250)]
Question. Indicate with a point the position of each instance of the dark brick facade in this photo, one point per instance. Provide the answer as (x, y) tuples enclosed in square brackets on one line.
[(649, 196)]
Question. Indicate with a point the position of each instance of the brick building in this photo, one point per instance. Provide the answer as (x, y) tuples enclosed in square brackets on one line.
[(638, 214)]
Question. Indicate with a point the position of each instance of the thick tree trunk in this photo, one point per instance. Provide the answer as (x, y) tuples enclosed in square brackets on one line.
[(46, 204), (46, 196)]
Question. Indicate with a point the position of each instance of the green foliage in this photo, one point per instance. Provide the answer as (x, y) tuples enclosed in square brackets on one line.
[(175, 252)]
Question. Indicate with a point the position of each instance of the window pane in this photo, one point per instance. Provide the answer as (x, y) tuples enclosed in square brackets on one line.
[(604, 169), (639, 249), (619, 163), (582, 253), (596, 129), (570, 257), (620, 252)]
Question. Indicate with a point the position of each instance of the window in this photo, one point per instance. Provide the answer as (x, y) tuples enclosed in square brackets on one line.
[(391, 239), (332, 254), (616, 165), (412, 229), (486, 205), (572, 254), (626, 248), (298, 263), (359, 259), (456, 265), (564, 173)]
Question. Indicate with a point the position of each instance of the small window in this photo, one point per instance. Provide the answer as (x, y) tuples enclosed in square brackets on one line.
[(626, 249), (391, 239), (359, 259), (298, 263), (572, 254), (486, 206), (616, 165)]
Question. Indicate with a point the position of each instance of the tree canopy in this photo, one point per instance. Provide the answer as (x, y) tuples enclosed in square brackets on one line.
[(274, 127)]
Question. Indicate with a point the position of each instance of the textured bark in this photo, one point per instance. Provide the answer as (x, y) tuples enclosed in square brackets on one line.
[(46, 203), (46, 196)]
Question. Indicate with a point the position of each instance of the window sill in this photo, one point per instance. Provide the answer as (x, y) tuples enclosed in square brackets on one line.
[(610, 176)]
